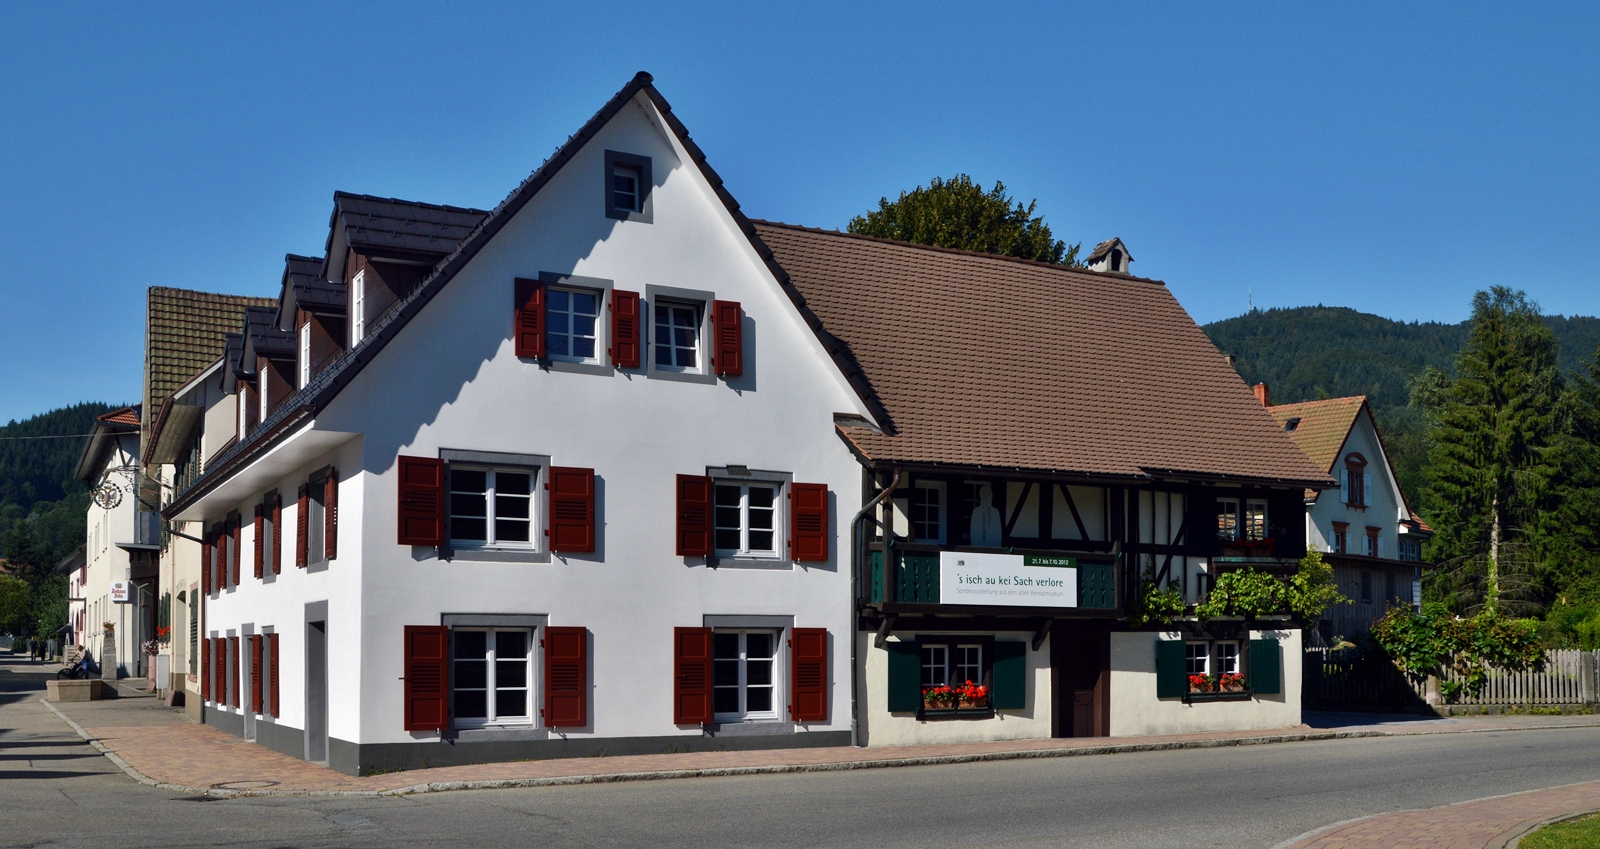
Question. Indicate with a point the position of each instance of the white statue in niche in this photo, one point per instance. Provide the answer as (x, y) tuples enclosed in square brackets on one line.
[(986, 519)]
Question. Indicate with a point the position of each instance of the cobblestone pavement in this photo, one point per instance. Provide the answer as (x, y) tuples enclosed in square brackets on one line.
[(1491, 823)]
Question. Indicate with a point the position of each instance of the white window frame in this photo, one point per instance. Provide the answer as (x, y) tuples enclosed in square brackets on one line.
[(1245, 520), (305, 353), (261, 390), (244, 415), (599, 315), (535, 526), (1236, 532), (744, 714), (632, 172), (779, 516), (1226, 662), (1191, 657), (699, 308), (940, 665), (358, 307), (942, 516), (316, 520), (958, 662), (491, 718)]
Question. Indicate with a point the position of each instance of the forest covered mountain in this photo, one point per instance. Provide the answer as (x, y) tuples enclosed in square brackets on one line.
[(36, 477), (1305, 353)]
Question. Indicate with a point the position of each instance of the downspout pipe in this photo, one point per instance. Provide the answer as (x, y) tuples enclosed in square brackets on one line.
[(859, 545)]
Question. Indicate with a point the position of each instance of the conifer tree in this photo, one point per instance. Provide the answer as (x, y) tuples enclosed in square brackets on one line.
[(1493, 428)]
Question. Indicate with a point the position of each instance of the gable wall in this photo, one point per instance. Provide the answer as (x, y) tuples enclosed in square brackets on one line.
[(1385, 508)]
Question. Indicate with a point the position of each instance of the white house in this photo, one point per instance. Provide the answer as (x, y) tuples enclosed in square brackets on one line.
[(1373, 540), (561, 479), (117, 580)]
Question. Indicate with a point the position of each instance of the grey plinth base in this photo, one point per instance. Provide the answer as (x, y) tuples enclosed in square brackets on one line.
[(90, 690), (108, 657)]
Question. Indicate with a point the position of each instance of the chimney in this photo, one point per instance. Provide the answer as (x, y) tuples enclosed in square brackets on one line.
[(1262, 396)]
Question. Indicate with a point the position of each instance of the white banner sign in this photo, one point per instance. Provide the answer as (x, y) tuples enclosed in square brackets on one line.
[(121, 592), (1007, 579)]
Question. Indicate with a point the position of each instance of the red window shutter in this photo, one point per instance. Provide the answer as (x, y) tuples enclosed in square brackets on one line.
[(426, 670), (421, 518), (272, 671), (691, 676), (330, 515), (302, 526), (808, 675), (808, 522), (528, 323), (255, 673), (233, 672), (256, 535), (571, 509), (566, 674), (625, 329), (277, 534), (206, 565), (694, 516), (237, 555), (205, 669), (727, 329)]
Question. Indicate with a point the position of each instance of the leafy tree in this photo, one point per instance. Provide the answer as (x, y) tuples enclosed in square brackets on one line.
[(15, 605), (1491, 463), (1313, 589), (958, 213), (1244, 592)]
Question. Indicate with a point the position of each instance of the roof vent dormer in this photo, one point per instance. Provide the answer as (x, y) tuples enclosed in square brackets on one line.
[(1110, 255)]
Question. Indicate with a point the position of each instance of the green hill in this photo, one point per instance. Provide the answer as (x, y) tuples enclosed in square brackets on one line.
[(36, 476), (1306, 353)]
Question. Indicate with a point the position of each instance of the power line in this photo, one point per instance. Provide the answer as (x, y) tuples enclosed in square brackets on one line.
[(62, 436)]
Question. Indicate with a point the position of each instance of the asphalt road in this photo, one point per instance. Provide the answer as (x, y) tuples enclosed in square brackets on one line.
[(56, 791)]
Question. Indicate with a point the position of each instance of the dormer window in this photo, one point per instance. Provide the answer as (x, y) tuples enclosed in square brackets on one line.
[(305, 354), (358, 307), (627, 187), (244, 415), (262, 391), (1292, 425)]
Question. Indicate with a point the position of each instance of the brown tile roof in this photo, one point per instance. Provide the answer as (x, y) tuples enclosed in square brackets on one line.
[(990, 361), (183, 335), (1323, 426), (124, 416)]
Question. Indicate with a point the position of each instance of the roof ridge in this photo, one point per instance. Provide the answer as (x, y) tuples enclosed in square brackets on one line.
[(339, 193), (1342, 399), (958, 251)]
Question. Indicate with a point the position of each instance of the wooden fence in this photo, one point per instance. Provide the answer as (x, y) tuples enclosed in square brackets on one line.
[(1569, 677)]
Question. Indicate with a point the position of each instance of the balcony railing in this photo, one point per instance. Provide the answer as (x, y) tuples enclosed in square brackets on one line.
[(915, 578)]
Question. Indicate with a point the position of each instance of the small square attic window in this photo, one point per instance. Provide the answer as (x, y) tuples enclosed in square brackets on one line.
[(627, 187)]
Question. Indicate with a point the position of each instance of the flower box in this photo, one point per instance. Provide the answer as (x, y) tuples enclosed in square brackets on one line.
[(1202, 684), (978, 703)]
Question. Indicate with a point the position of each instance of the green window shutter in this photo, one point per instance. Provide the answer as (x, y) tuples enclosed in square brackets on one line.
[(1009, 688), (1172, 669), (1266, 667), (905, 677), (875, 567)]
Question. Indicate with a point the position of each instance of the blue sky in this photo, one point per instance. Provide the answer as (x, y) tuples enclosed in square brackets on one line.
[(1388, 157)]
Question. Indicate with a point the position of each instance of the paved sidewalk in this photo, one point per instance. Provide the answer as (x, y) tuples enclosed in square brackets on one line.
[(161, 747), (1493, 823)]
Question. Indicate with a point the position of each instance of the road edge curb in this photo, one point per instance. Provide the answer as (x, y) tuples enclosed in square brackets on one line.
[(784, 769)]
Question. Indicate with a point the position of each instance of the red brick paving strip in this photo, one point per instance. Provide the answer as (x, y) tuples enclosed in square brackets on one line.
[(1482, 824), (199, 756)]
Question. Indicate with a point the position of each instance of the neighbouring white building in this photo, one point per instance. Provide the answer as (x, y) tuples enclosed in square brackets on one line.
[(604, 469), (117, 581), (1372, 539)]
